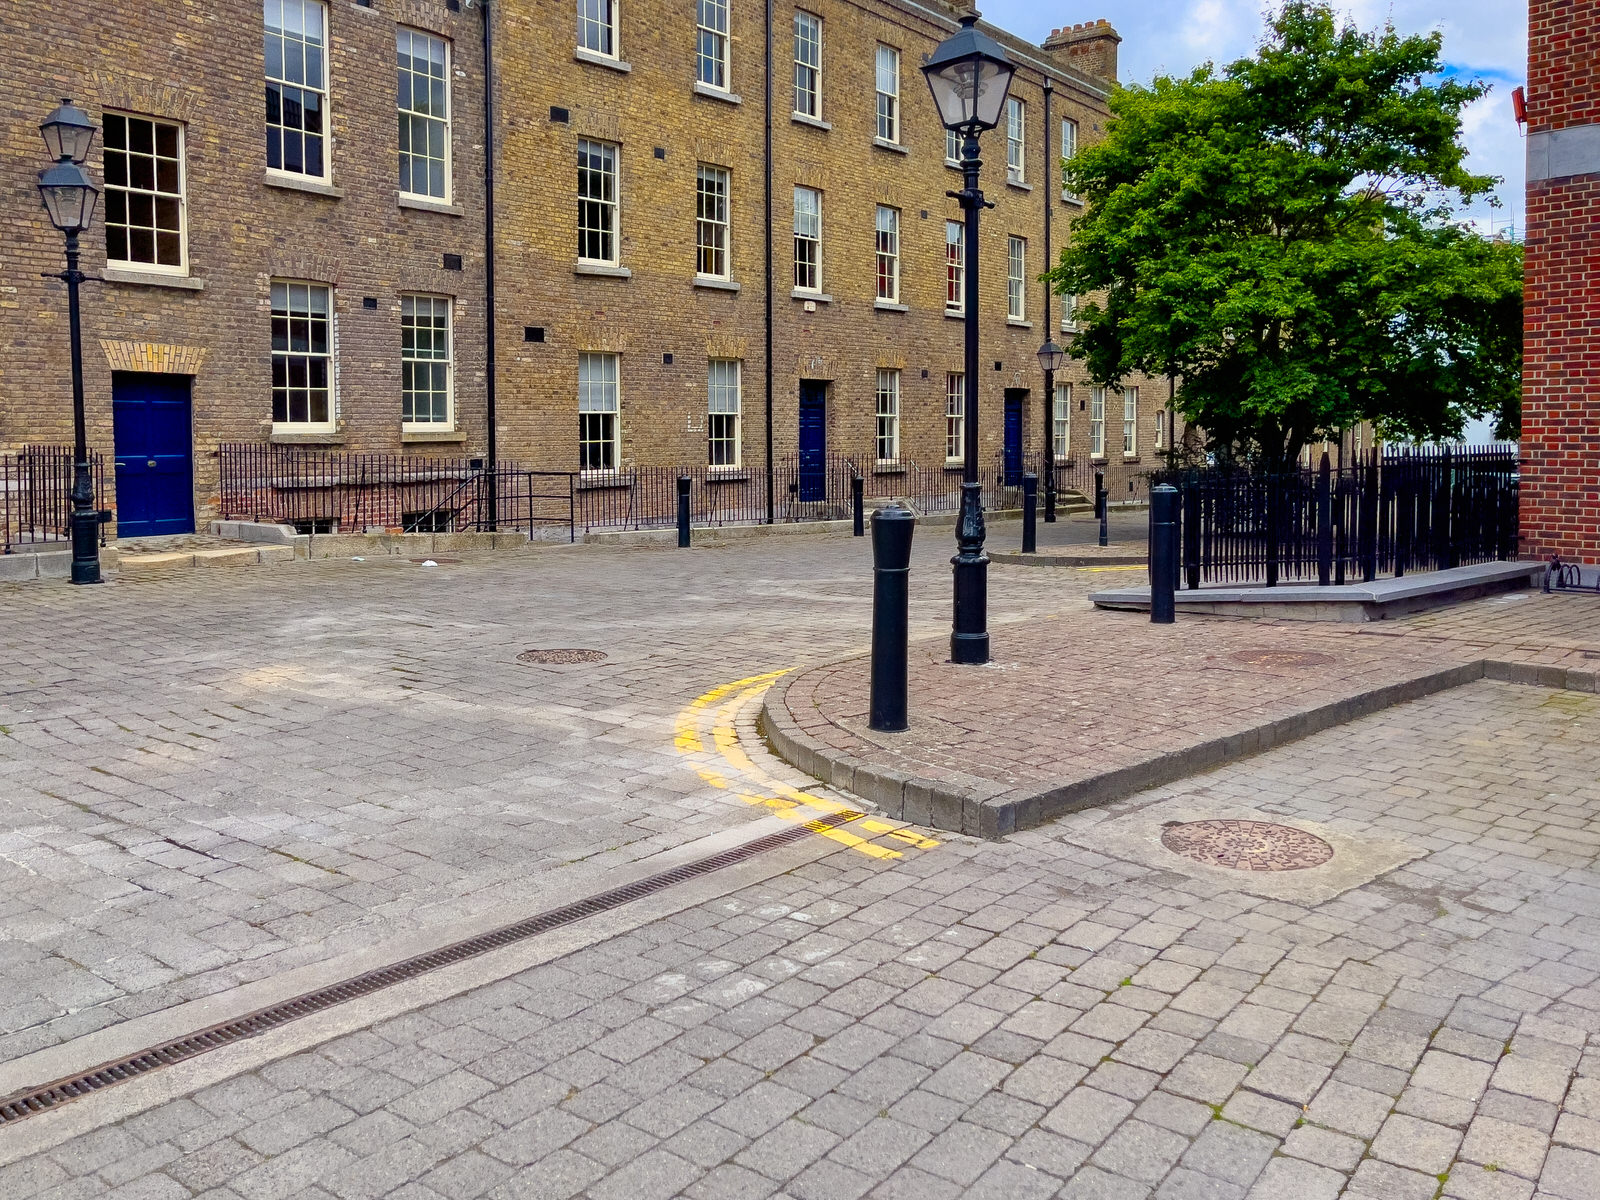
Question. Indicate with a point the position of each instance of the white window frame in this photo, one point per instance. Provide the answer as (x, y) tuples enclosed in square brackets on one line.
[(814, 239), (955, 417), (600, 395), (1069, 151), (955, 267), (601, 27), (608, 202), (327, 356), (1161, 429), (952, 148), (1061, 429), (1016, 140), (1016, 278), (886, 69), (886, 236), (725, 398), (807, 34), (888, 412), (1130, 422), (713, 67), (411, 359), (713, 190), (1069, 314), (412, 118), (318, 87), (1097, 423), (156, 194)]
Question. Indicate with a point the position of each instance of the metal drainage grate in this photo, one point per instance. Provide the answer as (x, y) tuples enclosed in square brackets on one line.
[(560, 658), (1246, 845), (24, 1104), (1281, 658)]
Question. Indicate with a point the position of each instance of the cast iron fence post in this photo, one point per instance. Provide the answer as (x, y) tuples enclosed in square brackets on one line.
[(1163, 554), (1191, 531), (1448, 517), (1324, 525), (891, 571), (1100, 503), (1369, 521), (1030, 513), (683, 511), (858, 504), (1271, 547)]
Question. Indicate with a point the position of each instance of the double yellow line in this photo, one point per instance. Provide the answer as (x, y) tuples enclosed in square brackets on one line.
[(707, 734)]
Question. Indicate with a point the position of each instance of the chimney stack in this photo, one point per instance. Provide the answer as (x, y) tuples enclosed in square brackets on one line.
[(1090, 47)]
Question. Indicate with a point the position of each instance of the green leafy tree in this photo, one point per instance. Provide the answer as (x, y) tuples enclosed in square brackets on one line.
[(1279, 236)]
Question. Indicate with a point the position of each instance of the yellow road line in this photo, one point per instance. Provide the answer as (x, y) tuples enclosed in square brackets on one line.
[(723, 764)]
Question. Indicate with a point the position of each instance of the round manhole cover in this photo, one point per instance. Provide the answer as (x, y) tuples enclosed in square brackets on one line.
[(1246, 845), (1281, 658), (560, 658)]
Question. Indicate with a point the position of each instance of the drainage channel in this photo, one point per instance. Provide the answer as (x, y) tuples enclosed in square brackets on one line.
[(22, 1105)]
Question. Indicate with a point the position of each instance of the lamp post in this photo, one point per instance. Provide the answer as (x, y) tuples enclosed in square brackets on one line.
[(969, 76), (1051, 356), (69, 197)]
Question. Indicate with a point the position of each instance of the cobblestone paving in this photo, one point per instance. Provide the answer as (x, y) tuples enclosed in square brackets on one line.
[(209, 778), (1009, 1020)]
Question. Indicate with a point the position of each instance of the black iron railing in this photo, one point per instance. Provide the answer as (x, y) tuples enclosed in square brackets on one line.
[(36, 495), (1385, 513)]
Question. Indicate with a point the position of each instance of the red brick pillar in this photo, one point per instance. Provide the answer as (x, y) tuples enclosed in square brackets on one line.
[(1561, 343)]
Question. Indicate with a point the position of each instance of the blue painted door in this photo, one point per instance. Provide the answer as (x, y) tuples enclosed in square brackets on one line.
[(1013, 447), (813, 440), (155, 465)]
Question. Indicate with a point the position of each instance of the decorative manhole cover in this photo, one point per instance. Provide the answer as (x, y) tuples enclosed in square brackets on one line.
[(1281, 658), (1246, 845), (560, 658)]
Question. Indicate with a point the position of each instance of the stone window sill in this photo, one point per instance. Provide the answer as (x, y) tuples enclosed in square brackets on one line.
[(819, 297), (814, 122), (884, 144), (954, 314), (417, 437), (952, 164), (727, 475), (890, 306), (1018, 323), (600, 60), (152, 279), (602, 269), (425, 204), (711, 93), (1069, 198), (715, 285), (328, 437), (888, 468), (297, 183), (590, 480), (1019, 184), (1130, 458)]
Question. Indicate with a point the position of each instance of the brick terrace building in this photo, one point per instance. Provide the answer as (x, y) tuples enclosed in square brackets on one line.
[(1561, 342), (315, 273)]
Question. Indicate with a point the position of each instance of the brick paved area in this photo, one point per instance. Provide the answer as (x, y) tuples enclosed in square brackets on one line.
[(213, 777), (1021, 1019), (1066, 705)]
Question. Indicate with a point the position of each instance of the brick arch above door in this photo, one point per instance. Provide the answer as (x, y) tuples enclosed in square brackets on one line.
[(154, 357)]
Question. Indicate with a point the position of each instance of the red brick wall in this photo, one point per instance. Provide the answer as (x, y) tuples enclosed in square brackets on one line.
[(1561, 367)]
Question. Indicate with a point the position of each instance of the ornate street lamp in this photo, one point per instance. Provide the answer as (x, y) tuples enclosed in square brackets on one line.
[(69, 197), (969, 76), (1051, 356)]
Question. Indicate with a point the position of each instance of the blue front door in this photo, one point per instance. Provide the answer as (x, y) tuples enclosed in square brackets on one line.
[(813, 440), (1013, 448), (155, 468)]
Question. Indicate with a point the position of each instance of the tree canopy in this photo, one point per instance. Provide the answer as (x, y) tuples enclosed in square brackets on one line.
[(1279, 235)]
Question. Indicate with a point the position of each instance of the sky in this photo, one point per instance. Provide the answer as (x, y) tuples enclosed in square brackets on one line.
[(1484, 39)]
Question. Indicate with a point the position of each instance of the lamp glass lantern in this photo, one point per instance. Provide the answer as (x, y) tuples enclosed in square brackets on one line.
[(1051, 356), (969, 75), (68, 133), (69, 196)]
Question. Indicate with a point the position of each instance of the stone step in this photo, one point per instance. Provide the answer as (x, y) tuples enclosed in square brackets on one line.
[(137, 564)]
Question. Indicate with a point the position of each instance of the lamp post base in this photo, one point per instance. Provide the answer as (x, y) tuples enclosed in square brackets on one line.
[(85, 527), (969, 640)]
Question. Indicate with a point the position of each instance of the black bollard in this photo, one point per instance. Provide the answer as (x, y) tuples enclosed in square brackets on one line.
[(683, 511), (1163, 554), (1100, 502), (859, 506), (1030, 513), (891, 577)]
